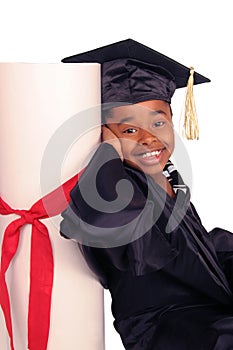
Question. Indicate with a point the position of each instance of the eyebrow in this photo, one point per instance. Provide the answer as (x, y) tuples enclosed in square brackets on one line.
[(130, 118), (158, 111), (127, 119)]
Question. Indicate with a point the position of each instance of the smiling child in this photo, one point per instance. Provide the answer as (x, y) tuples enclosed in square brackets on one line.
[(146, 136), (170, 280)]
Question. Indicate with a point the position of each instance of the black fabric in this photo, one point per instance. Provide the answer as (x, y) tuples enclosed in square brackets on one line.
[(132, 72), (132, 49), (172, 286), (132, 81)]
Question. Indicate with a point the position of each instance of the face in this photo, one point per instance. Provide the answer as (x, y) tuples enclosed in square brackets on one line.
[(145, 131)]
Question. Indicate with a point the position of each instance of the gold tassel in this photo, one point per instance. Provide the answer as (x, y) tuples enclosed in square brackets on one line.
[(190, 127)]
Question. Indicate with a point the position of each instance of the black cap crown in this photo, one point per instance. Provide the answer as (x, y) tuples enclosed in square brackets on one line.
[(132, 72)]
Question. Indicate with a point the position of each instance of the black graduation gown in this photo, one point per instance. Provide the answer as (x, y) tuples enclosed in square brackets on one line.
[(171, 281)]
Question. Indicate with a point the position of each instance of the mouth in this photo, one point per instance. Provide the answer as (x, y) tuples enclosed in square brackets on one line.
[(151, 153), (151, 156)]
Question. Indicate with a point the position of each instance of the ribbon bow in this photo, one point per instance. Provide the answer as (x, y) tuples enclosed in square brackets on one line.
[(41, 262)]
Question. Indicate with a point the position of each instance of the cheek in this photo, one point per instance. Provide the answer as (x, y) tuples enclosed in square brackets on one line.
[(171, 141), (127, 146), (167, 137)]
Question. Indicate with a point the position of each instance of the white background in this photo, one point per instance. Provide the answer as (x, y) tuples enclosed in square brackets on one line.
[(197, 33)]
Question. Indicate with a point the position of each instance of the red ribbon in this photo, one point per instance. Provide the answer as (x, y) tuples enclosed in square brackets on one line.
[(41, 262)]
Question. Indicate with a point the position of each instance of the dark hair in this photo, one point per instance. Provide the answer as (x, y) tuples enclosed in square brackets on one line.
[(107, 111)]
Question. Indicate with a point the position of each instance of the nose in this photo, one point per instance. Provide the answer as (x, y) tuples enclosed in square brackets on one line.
[(146, 138)]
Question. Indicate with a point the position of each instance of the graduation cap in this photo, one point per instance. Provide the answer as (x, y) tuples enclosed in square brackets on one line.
[(132, 72)]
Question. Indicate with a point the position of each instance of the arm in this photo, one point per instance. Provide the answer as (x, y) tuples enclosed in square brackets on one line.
[(223, 243), (105, 200), (109, 209)]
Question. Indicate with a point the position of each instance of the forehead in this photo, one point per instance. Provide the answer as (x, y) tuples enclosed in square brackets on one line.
[(139, 112)]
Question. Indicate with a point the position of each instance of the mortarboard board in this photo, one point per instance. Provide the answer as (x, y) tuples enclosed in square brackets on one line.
[(132, 72)]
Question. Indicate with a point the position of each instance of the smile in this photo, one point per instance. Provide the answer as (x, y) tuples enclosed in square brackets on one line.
[(152, 154), (152, 157)]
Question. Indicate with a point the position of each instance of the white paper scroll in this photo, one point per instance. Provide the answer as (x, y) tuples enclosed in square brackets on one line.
[(36, 100)]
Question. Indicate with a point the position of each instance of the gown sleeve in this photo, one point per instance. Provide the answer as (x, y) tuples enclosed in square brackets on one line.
[(223, 243), (112, 218)]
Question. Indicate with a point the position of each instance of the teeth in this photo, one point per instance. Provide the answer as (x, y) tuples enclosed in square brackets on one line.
[(151, 154)]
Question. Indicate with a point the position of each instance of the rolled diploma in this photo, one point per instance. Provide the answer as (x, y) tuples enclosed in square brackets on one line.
[(35, 101)]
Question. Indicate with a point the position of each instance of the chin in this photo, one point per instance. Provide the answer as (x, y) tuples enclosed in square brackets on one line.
[(152, 170)]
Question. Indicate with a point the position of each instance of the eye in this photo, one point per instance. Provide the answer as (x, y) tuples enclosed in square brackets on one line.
[(130, 131), (158, 124)]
